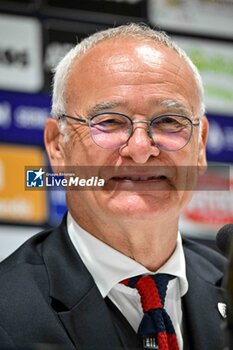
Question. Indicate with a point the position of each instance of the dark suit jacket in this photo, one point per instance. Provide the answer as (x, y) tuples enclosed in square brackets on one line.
[(48, 296)]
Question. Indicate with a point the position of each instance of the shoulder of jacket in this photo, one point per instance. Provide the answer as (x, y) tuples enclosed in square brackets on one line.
[(203, 251)]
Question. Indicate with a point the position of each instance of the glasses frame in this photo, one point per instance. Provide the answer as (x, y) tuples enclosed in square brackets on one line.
[(132, 122)]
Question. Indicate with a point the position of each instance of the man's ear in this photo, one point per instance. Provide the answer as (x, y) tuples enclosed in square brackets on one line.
[(52, 140), (202, 162)]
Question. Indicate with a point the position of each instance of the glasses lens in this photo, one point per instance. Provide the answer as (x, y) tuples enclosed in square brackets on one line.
[(171, 133), (110, 130)]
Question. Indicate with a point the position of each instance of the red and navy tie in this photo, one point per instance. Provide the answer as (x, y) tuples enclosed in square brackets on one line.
[(156, 328)]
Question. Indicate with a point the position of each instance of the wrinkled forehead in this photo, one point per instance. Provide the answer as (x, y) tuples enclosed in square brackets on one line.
[(113, 59), (127, 50)]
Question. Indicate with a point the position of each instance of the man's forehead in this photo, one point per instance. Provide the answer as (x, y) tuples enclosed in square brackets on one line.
[(128, 54), (120, 61), (132, 48)]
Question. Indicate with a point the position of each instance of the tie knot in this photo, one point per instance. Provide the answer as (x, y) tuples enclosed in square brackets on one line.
[(151, 288)]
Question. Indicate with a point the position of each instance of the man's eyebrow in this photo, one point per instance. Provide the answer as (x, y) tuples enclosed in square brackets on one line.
[(102, 107), (170, 105), (175, 106)]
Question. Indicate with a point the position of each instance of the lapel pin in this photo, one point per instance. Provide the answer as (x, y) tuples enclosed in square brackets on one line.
[(149, 343), (222, 308)]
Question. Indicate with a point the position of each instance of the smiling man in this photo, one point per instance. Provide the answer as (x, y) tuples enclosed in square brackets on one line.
[(116, 274)]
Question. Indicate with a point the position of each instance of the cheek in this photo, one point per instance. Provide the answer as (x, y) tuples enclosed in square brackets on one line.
[(80, 135), (185, 199), (188, 156), (84, 153), (186, 161), (77, 146)]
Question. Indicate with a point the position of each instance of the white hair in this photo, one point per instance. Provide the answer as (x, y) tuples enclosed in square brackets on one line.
[(140, 31)]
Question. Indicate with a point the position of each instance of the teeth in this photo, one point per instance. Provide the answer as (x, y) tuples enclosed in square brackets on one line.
[(139, 178)]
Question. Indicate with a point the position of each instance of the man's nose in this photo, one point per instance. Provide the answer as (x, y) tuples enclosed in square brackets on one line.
[(140, 146)]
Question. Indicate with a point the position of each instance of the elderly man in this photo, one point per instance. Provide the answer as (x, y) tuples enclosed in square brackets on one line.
[(116, 274)]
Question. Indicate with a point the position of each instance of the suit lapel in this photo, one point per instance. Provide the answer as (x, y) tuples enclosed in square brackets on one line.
[(89, 324), (200, 304), (75, 297)]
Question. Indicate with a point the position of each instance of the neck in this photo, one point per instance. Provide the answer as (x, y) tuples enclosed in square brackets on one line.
[(149, 243)]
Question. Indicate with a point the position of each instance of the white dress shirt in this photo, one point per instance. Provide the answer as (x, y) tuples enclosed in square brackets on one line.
[(108, 267)]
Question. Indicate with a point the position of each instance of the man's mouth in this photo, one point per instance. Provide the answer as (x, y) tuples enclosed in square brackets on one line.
[(143, 182), (138, 178)]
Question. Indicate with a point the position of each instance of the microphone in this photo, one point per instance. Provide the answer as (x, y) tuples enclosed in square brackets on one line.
[(224, 238), (230, 295), (224, 241)]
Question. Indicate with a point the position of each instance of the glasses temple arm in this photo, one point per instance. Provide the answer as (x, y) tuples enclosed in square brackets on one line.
[(81, 120)]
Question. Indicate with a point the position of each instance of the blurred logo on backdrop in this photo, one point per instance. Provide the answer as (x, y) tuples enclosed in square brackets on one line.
[(21, 60), (16, 204)]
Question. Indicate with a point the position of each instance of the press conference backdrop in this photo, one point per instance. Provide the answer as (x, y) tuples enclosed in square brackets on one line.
[(35, 34)]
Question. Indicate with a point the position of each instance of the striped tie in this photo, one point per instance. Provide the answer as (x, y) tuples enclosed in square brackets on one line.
[(156, 328)]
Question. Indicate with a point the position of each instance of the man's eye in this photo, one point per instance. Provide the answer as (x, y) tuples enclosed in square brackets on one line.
[(170, 121), (171, 124), (111, 124)]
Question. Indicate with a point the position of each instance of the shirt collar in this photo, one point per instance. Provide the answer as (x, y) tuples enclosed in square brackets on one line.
[(108, 266)]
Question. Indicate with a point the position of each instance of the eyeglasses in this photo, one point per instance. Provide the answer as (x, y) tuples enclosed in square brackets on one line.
[(169, 132)]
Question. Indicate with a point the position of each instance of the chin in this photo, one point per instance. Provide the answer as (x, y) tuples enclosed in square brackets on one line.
[(142, 205)]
